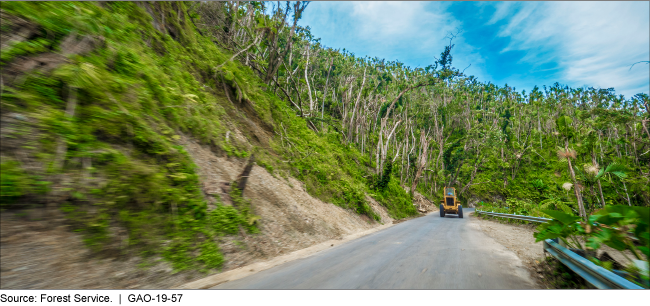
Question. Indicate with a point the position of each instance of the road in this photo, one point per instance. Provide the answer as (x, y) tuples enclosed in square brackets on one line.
[(424, 253)]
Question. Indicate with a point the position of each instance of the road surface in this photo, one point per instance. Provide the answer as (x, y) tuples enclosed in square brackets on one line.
[(424, 253)]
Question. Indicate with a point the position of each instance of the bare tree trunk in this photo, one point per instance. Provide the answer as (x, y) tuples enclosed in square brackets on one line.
[(297, 12), (581, 206), (385, 149), (380, 144), (255, 41), (311, 101), (600, 188), (422, 160), (627, 194), (476, 166), (322, 114), (356, 104)]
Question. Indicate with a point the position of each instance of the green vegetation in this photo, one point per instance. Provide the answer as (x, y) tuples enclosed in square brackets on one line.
[(620, 227), (108, 120)]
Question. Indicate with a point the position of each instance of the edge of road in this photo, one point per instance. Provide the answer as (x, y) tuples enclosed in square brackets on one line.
[(241, 272)]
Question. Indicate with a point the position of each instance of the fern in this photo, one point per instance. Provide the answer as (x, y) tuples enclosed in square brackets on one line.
[(556, 204), (615, 169)]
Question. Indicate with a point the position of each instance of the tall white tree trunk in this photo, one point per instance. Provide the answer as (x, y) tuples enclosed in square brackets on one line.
[(311, 101)]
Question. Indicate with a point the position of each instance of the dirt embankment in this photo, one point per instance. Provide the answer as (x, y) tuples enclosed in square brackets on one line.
[(423, 204), (39, 251), (291, 218), (47, 254)]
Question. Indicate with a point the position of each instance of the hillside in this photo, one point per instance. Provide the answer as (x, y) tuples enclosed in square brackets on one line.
[(105, 117), (135, 122)]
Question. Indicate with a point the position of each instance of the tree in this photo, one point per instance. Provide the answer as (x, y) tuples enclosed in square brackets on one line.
[(566, 154)]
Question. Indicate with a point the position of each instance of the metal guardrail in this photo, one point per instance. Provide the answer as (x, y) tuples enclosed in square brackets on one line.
[(599, 277), (517, 217), (525, 218)]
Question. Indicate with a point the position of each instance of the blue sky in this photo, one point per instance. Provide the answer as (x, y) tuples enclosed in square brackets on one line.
[(522, 44)]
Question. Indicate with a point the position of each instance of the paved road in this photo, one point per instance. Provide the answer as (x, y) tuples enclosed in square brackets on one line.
[(424, 253)]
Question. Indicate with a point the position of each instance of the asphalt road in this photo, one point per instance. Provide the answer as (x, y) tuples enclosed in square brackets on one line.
[(424, 253)]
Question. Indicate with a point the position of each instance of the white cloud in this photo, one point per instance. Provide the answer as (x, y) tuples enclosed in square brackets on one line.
[(411, 32), (404, 26), (593, 42), (389, 19), (502, 11)]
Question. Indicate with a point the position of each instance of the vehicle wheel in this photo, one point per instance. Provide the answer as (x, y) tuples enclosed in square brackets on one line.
[(442, 211), (460, 211)]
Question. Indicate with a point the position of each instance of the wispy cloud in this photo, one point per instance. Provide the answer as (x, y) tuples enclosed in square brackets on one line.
[(411, 32), (521, 43), (593, 43)]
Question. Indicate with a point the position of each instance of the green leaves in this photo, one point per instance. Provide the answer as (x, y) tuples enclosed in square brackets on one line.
[(614, 168), (563, 226), (228, 75), (564, 218), (557, 203), (563, 124), (79, 75), (614, 226)]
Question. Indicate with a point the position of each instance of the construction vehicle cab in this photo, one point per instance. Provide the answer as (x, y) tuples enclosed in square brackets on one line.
[(449, 203)]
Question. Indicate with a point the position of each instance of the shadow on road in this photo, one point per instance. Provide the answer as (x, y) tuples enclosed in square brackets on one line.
[(451, 216), (454, 216)]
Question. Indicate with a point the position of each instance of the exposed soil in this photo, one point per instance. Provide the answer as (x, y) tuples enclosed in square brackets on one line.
[(22, 30), (46, 254), (519, 239), (516, 237), (39, 251), (291, 218), (423, 204), (19, 30)]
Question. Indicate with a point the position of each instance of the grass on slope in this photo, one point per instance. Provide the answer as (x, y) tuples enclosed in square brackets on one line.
[(134, 93)]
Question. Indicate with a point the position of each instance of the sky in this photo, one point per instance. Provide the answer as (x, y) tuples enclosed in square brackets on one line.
[(521, 44)]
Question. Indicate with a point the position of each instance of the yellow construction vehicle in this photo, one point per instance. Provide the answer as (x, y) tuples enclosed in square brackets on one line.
[(449, 203)]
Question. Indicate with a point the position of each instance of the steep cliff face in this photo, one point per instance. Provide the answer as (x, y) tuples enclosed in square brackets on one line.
[(112, 115)]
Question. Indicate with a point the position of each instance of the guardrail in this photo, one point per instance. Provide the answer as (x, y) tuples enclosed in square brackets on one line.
[(599, 277), (517, 217), (524, 218)]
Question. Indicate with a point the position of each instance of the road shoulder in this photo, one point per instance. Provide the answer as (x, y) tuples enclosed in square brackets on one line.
[(217, 279), (235, 274), (517, 238)]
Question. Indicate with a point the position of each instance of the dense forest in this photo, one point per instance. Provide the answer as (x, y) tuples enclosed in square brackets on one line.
[(439, 127), (347, 126)]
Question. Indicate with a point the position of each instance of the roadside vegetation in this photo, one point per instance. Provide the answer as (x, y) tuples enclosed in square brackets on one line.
[(95, 127)]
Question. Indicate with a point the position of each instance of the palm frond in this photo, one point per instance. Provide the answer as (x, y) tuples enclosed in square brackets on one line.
[(547, 204), (563, 207), (617, 169), (563, 154), (620, 174)]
